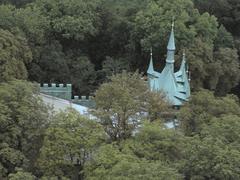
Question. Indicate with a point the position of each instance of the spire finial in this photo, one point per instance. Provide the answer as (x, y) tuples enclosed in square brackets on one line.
[(184, 52), (173, 20), (171, 42), (150, 67)]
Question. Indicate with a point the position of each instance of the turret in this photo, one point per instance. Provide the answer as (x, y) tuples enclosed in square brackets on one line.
[(174, 84), (150, 70), (185, 75), (183, 66), (171, 47)]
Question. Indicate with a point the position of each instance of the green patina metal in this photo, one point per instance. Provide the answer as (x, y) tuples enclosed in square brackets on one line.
[(176, 85), (61, 91), (64, 91), (87, 101)]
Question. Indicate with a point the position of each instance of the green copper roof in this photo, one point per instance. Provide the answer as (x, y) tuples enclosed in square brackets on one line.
[(171, 42), (174, 84), (171, 47), (150, 67)]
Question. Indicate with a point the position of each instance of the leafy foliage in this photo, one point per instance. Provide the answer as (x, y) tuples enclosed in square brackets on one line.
[(70, 19), (122, 103), (124, 31), (226, 10), (14, 55), (83, 75), (23, 120), (21, 175), (202, 107), (83, 43), (210, 159), (110, 163), (68, 144)]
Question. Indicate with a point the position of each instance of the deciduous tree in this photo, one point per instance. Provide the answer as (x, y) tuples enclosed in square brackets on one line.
[(68, 145), (111, 163), (124, 102), (202, 107), (23, 120), (14, 55)]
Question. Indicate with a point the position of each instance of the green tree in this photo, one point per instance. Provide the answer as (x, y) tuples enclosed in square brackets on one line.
[(71, 19), (21, 175), (224, 129), (155, 142), (14, 55), (112, 39), (123, 102), (83, 75), (229, 72), (51, 66), (29, 21), (34, 24), (23, 120), (7, 20), (224, 39), (111, 163), (152, 26), (68, 145), (202, 107), (209, 69), (209, 158), (225, 10), (114, 66), (18, 3)]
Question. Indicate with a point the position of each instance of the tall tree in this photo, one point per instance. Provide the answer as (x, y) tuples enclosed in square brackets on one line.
[(155, 142), (123, 102), (227, 12), (51, 66), (14, 55), (23, 120), (203, 106), (112, 163), (83, 75), (225, 129), (209, 158), (70, 19), (68, 145)]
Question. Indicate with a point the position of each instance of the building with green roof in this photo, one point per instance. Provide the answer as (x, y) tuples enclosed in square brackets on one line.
[(176, 85)]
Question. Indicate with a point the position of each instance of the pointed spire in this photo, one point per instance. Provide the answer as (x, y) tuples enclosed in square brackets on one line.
[(171, 46), (171, 42), (183, 63), (184, 55), (150, 67)]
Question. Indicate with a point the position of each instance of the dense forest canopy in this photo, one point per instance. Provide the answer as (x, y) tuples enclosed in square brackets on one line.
[(102, 47), (83, 42)]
